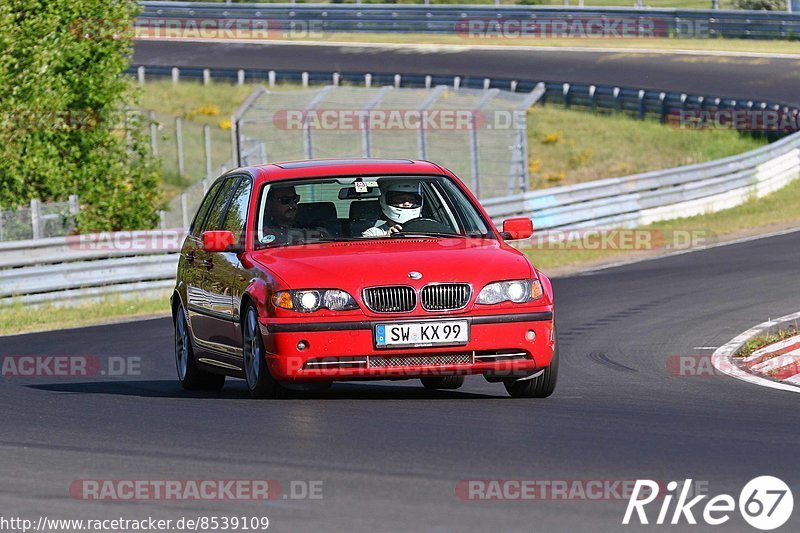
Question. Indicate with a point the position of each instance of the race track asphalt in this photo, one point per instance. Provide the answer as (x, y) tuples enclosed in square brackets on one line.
[(732, 76), (390, 454)]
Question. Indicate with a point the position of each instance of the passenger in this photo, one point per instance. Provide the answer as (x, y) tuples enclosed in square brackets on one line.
[(400, 202)]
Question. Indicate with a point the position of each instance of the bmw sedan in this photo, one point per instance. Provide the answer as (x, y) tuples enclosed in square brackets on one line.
[(295, 275)]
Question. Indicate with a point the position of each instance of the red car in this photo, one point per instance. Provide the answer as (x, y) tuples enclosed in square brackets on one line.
[(295, 275)]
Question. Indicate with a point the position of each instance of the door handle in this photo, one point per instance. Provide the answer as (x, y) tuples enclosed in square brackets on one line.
[(209, 264)]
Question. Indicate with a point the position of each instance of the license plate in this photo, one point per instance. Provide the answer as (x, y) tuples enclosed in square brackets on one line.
[(422, 333)]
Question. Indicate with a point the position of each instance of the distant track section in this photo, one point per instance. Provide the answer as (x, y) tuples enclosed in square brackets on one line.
[(768, 79)]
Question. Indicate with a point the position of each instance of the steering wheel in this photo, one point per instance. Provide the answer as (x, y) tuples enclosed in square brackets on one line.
[(424, 225)]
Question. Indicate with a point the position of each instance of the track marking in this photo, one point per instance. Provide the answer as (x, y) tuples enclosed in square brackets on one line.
[(721, 359)]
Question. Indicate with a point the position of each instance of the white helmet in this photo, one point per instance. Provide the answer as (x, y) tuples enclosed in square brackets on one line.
[(393, 209)]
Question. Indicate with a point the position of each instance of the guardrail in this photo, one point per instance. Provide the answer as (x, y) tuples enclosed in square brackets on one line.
[(471, 21), (63, 269)]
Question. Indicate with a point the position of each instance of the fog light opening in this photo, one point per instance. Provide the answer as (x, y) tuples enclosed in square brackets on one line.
[(530, 335), (302, 345)]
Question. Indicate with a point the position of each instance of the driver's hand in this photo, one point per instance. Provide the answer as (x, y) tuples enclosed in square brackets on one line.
[(395, 229)]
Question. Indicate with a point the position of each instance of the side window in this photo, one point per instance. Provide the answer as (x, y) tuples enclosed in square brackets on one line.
[(236, 217), (204, 207), (218, 207)]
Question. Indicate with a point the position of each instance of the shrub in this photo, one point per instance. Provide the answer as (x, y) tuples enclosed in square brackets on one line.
[(761, 5), (64, 128)]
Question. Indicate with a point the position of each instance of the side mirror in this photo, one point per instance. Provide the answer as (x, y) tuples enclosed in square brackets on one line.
[(218, 241), (517, 228)]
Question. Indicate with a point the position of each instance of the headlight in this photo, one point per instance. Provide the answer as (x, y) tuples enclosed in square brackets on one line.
[(517, 291), (309, 300)]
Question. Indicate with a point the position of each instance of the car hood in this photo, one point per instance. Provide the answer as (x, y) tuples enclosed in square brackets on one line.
[(353, 265)]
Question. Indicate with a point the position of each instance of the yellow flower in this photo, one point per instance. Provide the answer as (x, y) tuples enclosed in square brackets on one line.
[(551, 138)]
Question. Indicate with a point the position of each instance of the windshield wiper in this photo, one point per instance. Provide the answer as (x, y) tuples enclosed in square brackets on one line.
[(428, 234)]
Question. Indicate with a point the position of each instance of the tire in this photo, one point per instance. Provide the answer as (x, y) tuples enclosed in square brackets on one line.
[(444, 382), (259, 381), (541, 386), (189, 374)]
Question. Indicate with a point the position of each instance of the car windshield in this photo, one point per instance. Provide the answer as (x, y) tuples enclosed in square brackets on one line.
[(347, 208)]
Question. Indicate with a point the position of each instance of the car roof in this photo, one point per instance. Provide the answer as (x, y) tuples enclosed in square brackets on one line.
[(344, 167)]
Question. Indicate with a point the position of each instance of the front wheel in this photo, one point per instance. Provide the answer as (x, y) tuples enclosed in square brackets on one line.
[(542, 385), (189, 374), (259, 381)]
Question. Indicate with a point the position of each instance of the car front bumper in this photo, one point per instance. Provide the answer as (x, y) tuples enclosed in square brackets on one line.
[(499, 346)]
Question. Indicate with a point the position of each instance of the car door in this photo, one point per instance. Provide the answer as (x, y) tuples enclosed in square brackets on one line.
[(191, 271), (225, 272), (210, 308)]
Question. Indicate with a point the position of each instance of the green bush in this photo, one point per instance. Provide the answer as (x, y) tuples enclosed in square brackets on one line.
[(765, 5), (63, 128)]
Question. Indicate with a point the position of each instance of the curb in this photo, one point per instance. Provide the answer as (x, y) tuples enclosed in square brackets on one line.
[(723, 360)]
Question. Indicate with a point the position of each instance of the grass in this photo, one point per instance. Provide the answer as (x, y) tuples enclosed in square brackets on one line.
[(17, 319), (781, 207), (654, 43), (571, 146), (759, 341), (712, 45)]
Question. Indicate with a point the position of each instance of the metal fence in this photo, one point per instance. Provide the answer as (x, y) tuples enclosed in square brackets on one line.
[(187, 148), (479, 134), (39, 220), (286, 20)]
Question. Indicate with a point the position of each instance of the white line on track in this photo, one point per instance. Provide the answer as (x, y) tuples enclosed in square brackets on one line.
[(473, 47), (721, 359)]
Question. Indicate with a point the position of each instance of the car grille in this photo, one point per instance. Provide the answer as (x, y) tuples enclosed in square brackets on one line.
[(400, 361), (421, 360), (397, 299), (445, 296)]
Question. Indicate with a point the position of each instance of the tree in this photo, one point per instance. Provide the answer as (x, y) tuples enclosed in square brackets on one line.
[(63, 118)]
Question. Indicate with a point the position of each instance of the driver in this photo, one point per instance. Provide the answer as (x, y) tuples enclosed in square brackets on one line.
[(280, 218), (400, 202)]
